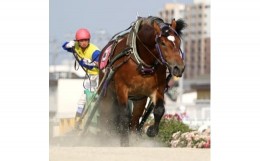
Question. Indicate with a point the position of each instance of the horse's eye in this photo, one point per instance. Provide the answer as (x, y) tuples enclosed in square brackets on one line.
[(165, 29), (163, 44)]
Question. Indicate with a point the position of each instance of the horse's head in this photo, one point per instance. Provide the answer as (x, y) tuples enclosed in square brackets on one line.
[(167, 39)]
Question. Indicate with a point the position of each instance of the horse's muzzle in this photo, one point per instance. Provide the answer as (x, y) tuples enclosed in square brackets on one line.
[(177, 70)]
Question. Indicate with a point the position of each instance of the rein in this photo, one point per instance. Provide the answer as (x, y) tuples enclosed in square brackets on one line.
[(85, 70), (161, 62), (111, 69), (144, 67)]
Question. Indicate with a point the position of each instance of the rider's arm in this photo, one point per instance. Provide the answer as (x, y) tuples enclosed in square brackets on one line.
[(68, 46), (95, 56)]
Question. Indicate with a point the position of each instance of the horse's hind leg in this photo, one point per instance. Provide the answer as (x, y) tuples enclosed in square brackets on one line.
[(124, 118), (107, 112), (124, 121), (159, 110)]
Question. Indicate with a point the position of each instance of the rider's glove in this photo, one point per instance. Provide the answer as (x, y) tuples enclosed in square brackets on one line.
[(87, 63), (70, 44)]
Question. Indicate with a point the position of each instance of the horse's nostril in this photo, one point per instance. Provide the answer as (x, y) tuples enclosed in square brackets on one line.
[(176, 71)]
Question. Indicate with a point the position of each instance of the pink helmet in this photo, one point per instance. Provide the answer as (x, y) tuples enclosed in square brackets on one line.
[(82, 34)]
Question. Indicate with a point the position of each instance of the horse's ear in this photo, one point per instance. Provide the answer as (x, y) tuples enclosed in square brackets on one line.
[(157, 28), (173, 24)]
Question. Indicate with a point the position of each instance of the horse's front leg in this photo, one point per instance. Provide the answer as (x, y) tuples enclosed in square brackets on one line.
[(137, 113), (158, 112)]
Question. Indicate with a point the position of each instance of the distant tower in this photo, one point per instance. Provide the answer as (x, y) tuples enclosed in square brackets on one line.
[(172, 10), (196, 38)]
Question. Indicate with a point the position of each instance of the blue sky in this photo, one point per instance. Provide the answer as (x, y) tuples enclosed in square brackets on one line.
[(67, 16)]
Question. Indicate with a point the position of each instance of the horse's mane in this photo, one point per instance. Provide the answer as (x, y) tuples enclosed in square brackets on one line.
[(180, 25)]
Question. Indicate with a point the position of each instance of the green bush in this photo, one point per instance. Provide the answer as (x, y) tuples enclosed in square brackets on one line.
[(168, 127)]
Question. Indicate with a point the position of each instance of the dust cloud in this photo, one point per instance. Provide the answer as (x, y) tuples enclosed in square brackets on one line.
[(74, 139)]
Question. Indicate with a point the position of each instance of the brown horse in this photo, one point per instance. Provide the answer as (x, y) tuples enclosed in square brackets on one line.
[(137, 69)]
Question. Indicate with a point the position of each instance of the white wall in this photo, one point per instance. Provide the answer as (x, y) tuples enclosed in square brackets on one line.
[(53, 98), (188, 99), (68, 94), (198, 114)]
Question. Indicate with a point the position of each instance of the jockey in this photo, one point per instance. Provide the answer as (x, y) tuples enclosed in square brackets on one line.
[(87, 54)]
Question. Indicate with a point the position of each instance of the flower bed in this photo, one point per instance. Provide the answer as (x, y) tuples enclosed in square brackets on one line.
[(193, 139), (174, 133)]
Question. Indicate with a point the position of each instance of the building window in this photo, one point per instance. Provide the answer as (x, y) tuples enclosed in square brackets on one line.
[(192, 58)]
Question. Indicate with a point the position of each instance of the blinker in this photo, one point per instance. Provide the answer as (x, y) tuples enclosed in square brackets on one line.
[(164, 29)]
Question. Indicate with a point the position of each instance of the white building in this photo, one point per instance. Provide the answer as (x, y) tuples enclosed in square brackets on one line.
[(65, 90), (196, 38), (171, 11)]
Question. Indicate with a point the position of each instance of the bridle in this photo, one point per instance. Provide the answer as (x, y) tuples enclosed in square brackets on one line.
[(164, 32)]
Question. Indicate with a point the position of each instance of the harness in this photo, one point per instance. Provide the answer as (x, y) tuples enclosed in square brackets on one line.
[(144, 68), (131, 50)]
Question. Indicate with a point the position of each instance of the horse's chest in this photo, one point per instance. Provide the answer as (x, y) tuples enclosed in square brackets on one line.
[(142, 87)]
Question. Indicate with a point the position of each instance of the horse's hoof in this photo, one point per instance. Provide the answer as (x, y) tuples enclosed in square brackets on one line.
[(152, 131)]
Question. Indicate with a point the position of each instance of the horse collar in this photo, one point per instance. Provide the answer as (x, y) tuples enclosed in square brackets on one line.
[(143, 67), (131, 41)]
